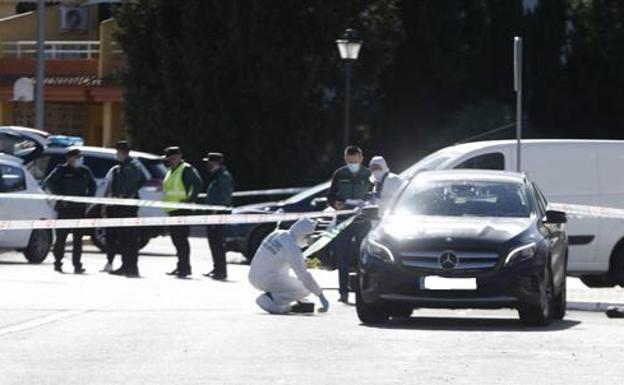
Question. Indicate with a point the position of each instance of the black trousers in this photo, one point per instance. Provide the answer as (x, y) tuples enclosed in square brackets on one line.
[(216, 240), (112, 238), (124, 239), (179, 237), (61, 237)]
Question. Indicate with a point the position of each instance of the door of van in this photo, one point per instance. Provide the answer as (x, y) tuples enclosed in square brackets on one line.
[(567, 172), (14, 181)]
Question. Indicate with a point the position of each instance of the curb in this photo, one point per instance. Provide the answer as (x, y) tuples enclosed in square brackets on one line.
[(591, 306)]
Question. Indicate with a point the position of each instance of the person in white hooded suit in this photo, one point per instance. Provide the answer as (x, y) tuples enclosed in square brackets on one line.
[(386, 184), (270, 269)]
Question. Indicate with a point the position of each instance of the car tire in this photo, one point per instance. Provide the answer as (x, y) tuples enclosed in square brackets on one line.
[(256, 238), (98, 238), (370, 314), (400, 310), (539, 314), (38, 246), (560, 303), (597, 281), (616, 272)]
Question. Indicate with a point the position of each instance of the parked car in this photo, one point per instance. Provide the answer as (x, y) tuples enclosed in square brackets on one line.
[(14, 178), (466, 239), (100, 160), (583, 172), (246, 238)]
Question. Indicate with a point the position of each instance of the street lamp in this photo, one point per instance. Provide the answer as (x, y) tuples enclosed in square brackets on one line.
[(349, 47)]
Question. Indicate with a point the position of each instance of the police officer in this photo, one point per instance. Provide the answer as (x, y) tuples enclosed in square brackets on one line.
[(126, 179), (349, 188), (75, 179), (181, 185), (219, 193)]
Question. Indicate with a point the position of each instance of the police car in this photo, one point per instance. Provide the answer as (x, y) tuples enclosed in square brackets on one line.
[(17, 143)]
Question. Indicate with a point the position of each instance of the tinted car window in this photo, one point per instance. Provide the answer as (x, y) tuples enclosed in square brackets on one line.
[(12, 179), (460, 198), (99, 166), (155, 167), (492, 161)]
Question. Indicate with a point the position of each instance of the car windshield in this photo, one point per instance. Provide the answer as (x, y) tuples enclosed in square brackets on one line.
[(464, 198), (156, 168)]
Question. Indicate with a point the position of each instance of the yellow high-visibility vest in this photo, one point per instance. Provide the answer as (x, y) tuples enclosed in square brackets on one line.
[(173, 185)]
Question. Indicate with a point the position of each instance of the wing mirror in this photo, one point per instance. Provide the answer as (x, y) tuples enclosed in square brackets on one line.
[(370, 213), (319, 203), (556, 217)]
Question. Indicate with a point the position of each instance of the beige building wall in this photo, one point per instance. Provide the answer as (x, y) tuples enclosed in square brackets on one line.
[(24, 26)]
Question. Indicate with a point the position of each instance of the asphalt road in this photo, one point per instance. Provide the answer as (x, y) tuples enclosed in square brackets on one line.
[(100, 329)]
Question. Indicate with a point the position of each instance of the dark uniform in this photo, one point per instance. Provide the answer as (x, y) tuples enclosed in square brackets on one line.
[(127, 180), (219, 193), (74, 181), (347, 185), (181, 184)]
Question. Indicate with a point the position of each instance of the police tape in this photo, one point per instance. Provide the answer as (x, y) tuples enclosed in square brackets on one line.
[(186, 220), (278, 191), (584, 211), (115, 202)]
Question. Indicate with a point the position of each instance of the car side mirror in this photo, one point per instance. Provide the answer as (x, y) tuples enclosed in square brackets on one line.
[(319, 203), (370, 213), (556, 217)]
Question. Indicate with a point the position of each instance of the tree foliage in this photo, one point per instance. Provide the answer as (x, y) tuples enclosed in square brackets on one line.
[(261, 80)]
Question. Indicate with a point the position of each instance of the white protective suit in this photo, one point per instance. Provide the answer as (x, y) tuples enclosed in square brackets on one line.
[(270, 269), (389, 184)]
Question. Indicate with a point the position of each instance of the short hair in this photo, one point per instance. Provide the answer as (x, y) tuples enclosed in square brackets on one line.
[(353, 150)]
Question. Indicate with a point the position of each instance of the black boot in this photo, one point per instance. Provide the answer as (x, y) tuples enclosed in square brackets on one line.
[(303, 307)]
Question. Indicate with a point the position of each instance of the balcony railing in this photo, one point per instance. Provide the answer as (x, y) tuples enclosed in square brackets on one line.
[(87, 49)]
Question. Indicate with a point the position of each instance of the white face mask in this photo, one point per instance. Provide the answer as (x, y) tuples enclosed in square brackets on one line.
[(78, 162), (378, 175), (353, 167)]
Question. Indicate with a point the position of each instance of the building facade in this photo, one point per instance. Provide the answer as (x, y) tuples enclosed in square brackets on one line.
[(82, 93)]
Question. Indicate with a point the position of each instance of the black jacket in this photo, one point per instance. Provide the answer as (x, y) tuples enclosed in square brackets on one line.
[(74, 181)]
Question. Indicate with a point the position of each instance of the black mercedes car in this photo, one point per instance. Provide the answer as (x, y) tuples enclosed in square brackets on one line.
[(465, 239)]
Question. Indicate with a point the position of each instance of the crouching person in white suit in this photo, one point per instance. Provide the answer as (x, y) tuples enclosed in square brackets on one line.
[(270, 272)]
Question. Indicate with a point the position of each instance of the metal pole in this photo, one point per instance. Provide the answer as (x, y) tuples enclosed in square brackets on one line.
[(39, 102), (347, 126), (518, 88)]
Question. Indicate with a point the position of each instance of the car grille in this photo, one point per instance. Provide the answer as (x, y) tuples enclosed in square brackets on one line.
[(466, 260)]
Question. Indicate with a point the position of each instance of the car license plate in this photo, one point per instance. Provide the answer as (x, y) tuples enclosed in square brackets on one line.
[(441, 283)]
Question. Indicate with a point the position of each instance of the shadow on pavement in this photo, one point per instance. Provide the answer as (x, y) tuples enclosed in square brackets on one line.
[(473, 324)]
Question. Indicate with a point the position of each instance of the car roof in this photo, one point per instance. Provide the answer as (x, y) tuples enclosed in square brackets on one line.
[(43, 134), (474, 175), (471, 146), (13, 160), (101, 151)]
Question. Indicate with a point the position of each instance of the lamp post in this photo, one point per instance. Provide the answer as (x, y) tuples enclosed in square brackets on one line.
[(39, 101), (349, 47)]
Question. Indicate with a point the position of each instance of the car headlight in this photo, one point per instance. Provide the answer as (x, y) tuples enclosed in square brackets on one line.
[(521, 253), (376, 249)]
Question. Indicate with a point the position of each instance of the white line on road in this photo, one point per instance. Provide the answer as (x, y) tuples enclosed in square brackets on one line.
[(41, 321)]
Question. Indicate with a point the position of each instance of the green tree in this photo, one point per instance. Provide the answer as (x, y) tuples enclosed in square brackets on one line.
[(259, 80)]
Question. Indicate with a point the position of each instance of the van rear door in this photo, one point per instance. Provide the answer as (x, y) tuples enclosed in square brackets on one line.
[(567, 172)]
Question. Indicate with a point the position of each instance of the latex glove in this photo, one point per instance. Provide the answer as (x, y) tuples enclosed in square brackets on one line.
[(324, 302)]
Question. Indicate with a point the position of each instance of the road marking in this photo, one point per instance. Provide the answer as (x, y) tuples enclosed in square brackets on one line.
[(60, 315)]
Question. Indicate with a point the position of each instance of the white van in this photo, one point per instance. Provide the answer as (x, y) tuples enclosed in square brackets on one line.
[(584, 172)]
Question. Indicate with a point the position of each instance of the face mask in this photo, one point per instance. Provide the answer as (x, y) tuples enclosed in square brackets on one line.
[(78, 162), (121, 157), (378, 175), (353, 167)]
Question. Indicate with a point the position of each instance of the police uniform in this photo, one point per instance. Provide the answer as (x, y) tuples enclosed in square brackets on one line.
[(219, 193), (181, 184), (67, 179), (127, 178), (345, 186)]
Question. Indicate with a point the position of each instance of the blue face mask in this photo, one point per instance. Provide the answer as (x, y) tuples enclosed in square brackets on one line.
[(353, 167)]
